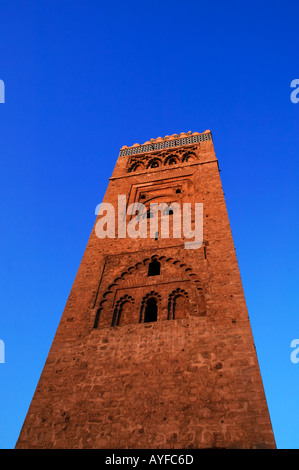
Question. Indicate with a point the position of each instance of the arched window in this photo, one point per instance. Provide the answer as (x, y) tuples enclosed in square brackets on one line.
[(154, 268), (189, 157), (154, 163), (135, 167), (151, 310), (170, 160), (179, 307), (123, 312), (178, 304), (149, 307)]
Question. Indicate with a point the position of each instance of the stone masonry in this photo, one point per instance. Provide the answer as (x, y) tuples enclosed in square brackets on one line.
[(154, 348)]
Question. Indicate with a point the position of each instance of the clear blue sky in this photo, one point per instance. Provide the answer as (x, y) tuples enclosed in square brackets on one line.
[(84, 78)]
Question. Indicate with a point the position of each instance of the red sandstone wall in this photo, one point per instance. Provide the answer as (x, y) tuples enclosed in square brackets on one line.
[(183, 383)]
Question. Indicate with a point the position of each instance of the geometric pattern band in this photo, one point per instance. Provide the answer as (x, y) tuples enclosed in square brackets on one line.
[(192, 139)]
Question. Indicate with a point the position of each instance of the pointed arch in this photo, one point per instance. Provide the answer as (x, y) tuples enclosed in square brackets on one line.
[(189, 157), (136, 166), (177, 304), (154, 268), (154, 163), (123, 276), (122, 310), (149, 307), (171, 160)]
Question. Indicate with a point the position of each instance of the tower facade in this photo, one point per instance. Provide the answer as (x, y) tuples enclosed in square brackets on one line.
[(154, 348)]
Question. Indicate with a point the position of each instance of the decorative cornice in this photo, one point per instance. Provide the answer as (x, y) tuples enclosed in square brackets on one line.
[(175, 140)]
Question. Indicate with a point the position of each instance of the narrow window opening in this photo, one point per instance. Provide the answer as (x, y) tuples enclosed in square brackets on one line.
[(151, 310), (154, 268), (178, 191)]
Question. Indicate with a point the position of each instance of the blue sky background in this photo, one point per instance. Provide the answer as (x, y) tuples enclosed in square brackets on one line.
[(84, 78)]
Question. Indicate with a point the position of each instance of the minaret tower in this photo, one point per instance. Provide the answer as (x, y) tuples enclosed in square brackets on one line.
[(154, 348)]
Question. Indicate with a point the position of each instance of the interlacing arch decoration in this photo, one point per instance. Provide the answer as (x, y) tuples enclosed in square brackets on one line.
[(177, 304), (189, 157), (119, 309), (136, 166), (171, 160), (118, 281), (155, 161)]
